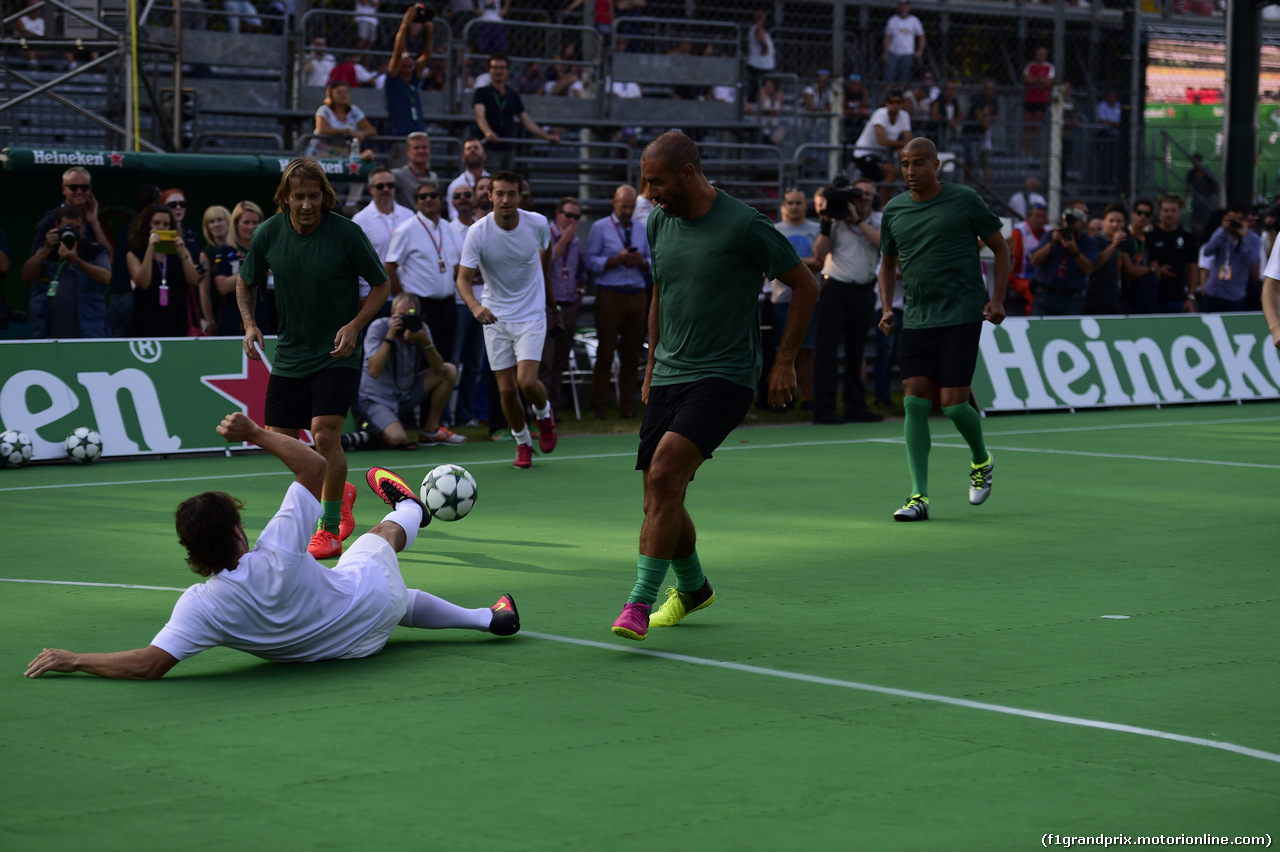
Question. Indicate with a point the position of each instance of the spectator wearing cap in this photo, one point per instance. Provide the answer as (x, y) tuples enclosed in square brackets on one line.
[(1065, 260)]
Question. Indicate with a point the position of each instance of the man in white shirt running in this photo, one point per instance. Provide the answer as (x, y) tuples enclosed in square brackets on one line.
[(512, 249), (380, 218), (274, 600)]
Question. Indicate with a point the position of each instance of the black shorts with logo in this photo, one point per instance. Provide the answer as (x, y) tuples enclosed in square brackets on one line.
[(947, 354), (705, 412), (292, 401)]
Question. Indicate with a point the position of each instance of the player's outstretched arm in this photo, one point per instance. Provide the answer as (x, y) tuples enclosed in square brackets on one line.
[(307, 465), (146, 663)]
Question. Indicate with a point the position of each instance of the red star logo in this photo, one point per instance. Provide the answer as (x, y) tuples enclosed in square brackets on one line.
[(247, 390), (117, 159), (353, 168)]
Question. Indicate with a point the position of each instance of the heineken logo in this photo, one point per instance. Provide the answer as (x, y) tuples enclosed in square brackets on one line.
[(69, 158), (1083, 362), (331, 167)]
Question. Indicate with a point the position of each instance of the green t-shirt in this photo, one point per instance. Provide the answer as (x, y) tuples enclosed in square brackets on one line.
[(317, 284), (937, 243), (709, 273)]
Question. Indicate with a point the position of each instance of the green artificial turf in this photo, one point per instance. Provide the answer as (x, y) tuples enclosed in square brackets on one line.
[(565, 737)]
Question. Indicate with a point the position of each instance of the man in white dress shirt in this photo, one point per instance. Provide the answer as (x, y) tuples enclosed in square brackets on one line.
[(380, 218), (473, 158), (423, 260)]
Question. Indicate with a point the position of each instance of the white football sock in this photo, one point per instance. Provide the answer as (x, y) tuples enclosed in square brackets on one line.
[(522, 437), (544, 411), (432, 613), (408, 516)]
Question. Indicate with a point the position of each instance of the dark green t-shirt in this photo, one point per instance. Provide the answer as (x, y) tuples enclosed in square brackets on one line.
[(317, 283), (937, 243), (709, 273)]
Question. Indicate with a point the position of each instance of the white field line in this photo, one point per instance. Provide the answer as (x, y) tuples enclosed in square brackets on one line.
[(824, 681), (730, 448)]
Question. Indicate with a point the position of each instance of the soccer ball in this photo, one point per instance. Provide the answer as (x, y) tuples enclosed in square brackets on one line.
[(448, 492), (15, 449), (84, 445)]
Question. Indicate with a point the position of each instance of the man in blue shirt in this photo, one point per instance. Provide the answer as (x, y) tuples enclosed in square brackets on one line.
[(404, 80), (1229, 262), (1064, 264), (618, 254)]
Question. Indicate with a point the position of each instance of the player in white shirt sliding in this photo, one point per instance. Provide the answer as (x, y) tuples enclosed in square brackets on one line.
[(274, 600), (512, 249)]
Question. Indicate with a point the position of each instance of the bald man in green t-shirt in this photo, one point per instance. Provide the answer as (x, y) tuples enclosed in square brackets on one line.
[(711, 254), (933, 231)]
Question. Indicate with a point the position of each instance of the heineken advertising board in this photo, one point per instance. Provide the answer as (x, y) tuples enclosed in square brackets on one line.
[(144, 397), (1082, 362)]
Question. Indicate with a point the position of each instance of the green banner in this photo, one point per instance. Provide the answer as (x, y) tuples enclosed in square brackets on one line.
[(143, 396), (163, 168), (1084, 362)]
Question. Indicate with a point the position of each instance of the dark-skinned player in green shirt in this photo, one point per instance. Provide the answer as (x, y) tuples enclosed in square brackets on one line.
[(933, 232), (710, 252)]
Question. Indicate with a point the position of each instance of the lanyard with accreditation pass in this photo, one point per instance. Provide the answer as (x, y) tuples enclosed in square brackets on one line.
[(438, 246)]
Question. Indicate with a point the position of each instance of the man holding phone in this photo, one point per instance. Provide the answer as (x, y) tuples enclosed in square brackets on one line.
[(618, 254)]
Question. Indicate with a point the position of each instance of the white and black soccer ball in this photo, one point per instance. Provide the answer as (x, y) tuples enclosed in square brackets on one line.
[(448, 492), (84, 445), (15, 448)]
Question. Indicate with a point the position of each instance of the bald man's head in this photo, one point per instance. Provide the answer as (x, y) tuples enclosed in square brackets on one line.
[(673, 151), (921, 146), (624, 203)]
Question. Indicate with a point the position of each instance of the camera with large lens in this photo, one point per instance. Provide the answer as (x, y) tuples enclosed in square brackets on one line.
[(68, 237), (839, 196), (410, 321)]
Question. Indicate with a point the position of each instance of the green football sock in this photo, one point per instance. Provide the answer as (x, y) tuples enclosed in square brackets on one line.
[(689, 576), (919, 442), (332, 517), (650, 573), (969, 424)]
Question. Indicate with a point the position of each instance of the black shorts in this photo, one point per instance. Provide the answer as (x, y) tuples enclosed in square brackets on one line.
[(705, 412), (292, 401), (948, 354)]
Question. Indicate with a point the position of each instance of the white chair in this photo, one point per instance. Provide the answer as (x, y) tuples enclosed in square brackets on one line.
[(585, 344)]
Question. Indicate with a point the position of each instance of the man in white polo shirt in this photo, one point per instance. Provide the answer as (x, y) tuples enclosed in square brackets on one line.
[(381, 217), (512, 249), (423, 260)]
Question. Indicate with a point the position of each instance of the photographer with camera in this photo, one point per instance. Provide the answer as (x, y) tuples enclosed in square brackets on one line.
[(68, 277), (1230, 261), (848, 249), (402, 370), (1063, 264)]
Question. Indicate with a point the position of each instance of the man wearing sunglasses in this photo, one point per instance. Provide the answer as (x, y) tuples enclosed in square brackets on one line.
[(423, 260), (77, 189), (1136, 263), (381, 217)]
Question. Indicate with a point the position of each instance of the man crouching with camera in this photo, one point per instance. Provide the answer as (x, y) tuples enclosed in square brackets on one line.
[(1063, 266), (68, 276), (402, 369), (848, 249)]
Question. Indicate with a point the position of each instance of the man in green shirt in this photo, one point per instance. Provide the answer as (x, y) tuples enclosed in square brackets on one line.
[(933, 231), (711, 253), (317, 259)]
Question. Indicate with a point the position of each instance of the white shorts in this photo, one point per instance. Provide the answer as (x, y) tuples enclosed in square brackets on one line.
[(375, 560), (510, 342)]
